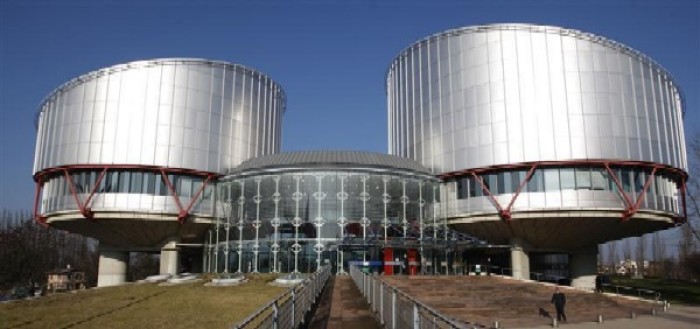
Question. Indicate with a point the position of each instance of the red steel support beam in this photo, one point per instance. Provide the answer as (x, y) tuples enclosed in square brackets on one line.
[(84, 207), (37, 195), (94, 188), (520, 188), (631, 208), (181, 212), (183, 215), (641, 196), (81, 207), (487, 192), (505, 213)]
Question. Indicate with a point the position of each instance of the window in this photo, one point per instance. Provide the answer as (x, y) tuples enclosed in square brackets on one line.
[(149, 183), (475, 188), (491, 182), (463, 188), (625, 179), (136, 185), (598, 179), (123, 185), (184, 186), (516, 178), (567, 178), (500, 183), (536, 183), (583, 178), (551, 180)]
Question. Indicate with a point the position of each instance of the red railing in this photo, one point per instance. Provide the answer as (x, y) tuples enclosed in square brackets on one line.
[(631, 207), (84, 206)]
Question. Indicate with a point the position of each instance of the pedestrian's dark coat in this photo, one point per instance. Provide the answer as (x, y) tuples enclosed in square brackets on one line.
[(558, 299)]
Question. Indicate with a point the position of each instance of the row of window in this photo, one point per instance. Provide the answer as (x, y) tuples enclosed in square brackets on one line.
[(121, 181), (558, 179)]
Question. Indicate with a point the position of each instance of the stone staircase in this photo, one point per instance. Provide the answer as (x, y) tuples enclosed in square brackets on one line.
[(512, 303)]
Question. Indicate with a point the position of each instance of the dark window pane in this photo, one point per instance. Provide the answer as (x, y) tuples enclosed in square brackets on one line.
[(517, 178), (149, 183), (625, 179), (536, 183), (114, 184), (491, 183), (500, 183), (136, 182), (475, 188), (77, 184), (93, 180), (463, 188), (124, 182)]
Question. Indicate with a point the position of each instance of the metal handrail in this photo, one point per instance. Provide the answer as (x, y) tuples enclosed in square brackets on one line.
[(416, 314), (656, 295), (289, 308)]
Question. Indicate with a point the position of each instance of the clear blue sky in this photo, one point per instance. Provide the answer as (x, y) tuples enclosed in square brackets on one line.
[(329, 56)]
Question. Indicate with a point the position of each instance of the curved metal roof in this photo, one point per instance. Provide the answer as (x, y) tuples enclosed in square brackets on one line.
[(330, 159)]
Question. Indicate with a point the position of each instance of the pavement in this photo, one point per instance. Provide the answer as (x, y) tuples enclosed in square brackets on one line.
[(677, 317), (484, 300), (343, 307)]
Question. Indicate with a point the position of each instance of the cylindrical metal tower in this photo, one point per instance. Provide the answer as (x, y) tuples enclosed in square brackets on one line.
[(129, 154), (549, 137)]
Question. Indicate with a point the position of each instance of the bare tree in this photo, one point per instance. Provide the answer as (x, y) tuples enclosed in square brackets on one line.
[(641, 252), (28, 251), (658, 253), (612, 254), (627, 249)]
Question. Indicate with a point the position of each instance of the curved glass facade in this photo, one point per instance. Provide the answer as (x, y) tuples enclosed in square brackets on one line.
[(572, 188), (287, 220), (128, 190)]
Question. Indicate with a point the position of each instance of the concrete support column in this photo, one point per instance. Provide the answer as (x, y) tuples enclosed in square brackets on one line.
[(112, 268), (519, 259), (583, 266), (170, 257)]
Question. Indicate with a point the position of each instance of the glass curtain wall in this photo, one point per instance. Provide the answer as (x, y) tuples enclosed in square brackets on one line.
[(293, 221)]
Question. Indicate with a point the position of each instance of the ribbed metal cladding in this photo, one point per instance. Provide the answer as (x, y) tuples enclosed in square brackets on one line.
[(511, 93), (178, 113)]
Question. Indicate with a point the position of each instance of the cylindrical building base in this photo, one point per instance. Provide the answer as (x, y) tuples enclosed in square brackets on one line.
[(583, 266), (112, 268), (170, 258), (519, 260)]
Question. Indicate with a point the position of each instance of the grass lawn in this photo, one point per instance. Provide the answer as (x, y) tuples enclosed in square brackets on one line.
[(189, 305), (671, 290)]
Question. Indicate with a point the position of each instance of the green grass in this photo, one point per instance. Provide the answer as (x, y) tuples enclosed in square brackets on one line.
[(143, 306), (671, 290)]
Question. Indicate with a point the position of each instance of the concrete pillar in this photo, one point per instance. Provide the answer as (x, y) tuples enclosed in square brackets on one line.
[(112, 268), (170, 257), (583, 266), (519, 259)]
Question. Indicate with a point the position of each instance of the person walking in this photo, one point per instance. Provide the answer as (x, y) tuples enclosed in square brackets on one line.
[(559, 301)]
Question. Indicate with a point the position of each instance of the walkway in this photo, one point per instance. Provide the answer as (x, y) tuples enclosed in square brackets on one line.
[(343, 307)]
